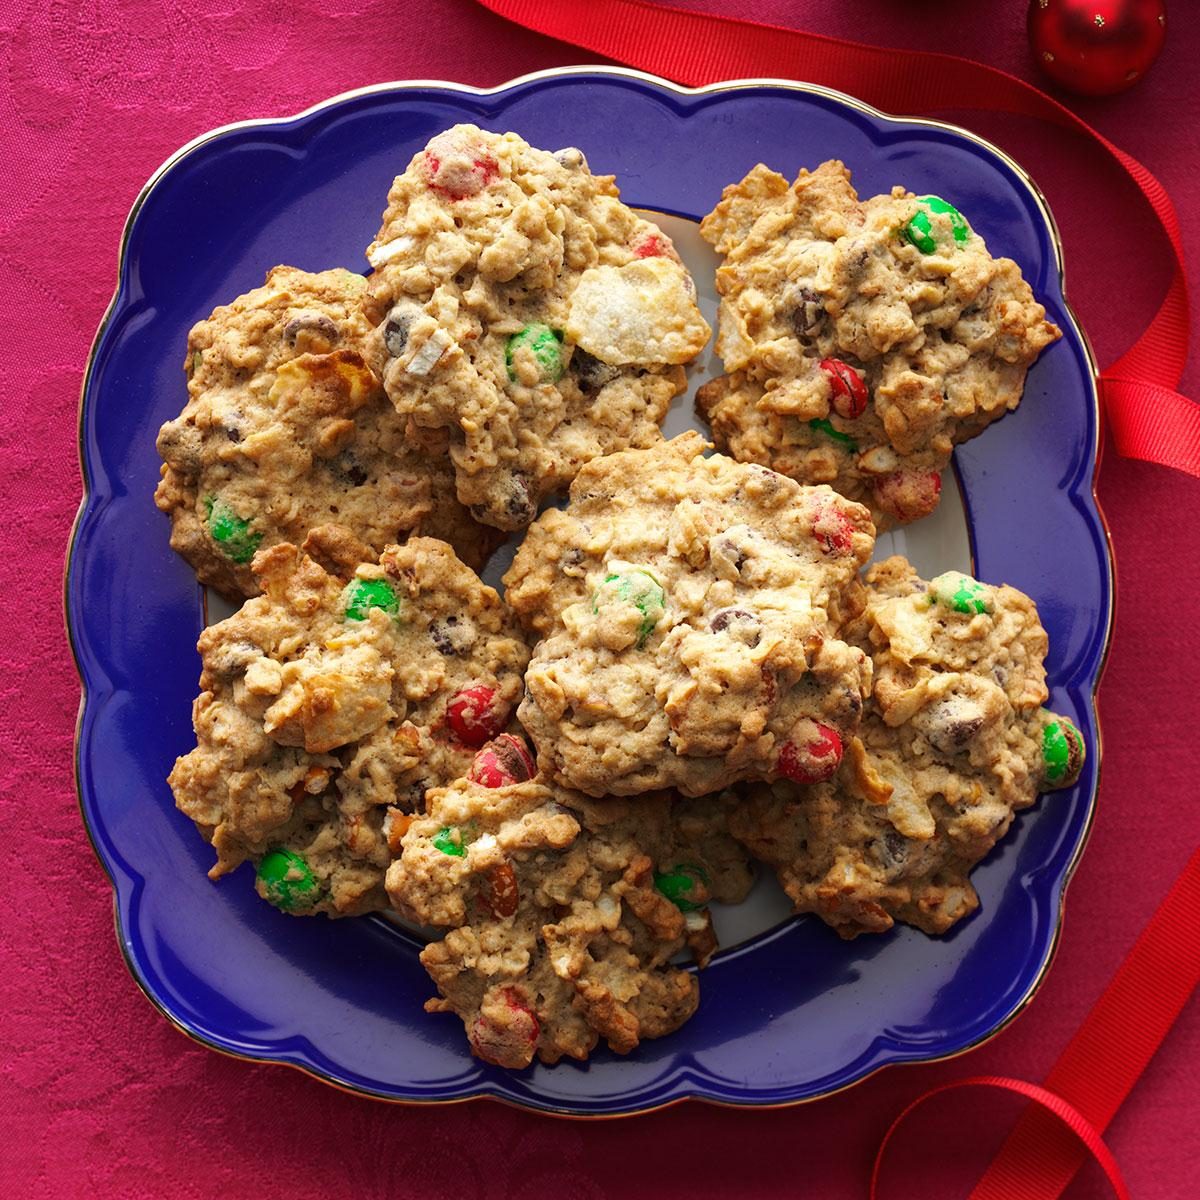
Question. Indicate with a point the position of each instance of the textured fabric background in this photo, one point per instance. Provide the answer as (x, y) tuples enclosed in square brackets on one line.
[(99, 1095)]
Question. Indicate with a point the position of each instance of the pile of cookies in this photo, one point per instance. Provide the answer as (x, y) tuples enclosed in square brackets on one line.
[(692, 667)]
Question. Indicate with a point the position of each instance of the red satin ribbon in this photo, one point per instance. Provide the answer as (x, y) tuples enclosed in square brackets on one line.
[(1147, 417), (1110, 1050), (1100, 1064), (1060, 1113)]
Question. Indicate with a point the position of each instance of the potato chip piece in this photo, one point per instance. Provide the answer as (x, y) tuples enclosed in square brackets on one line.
[(642, 312)]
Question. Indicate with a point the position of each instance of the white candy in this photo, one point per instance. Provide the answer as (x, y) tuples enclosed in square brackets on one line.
[(430, 353), (378, 255)]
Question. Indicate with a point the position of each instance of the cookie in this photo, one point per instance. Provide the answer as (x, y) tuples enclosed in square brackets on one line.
[(564, 914), (954, 740), (286, 429), (522, 309), (688, 609), (861, 339), (331, 702)]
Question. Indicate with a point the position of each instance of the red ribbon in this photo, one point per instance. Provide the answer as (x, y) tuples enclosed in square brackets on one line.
[(1100, 1064), (1147, 417), (1004, 1180)]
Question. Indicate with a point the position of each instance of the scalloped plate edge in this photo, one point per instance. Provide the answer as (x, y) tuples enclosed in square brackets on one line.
[(86, 513)]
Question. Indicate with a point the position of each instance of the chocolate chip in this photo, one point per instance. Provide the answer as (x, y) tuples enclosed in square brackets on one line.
[(347, 468), (313, 324), (395, 331), (452, 635), (231, 659), (181, 444), (571, 158), (952, 723), (954, 735), (892, 850), (412, 798), (768, 481), (741, 625), (517, 504), (590, 373), (726, 616), (856, 263), (809, 314), (232, 432), (730, 550)]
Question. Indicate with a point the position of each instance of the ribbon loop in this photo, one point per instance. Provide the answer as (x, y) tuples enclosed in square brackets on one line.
[(999, 1186), (1152, 422)]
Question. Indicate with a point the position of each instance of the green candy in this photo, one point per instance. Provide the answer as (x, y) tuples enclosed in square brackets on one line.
[(230, 532), (960, 593), (678, 882), (444, 840), (639, 588), (920, 231), (546, 344), (1062, 750), (365, 594), (826, 427), (287, 881)]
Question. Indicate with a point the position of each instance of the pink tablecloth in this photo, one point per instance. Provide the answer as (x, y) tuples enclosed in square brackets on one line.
[(99, 1095)]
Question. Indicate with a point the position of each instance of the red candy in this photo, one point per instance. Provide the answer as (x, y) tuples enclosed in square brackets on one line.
[(473, 716), (507, 1040), (834, 531), (505, 761), (649, 245), (849, 389), (816, 757), (456, 168), (908, 495)]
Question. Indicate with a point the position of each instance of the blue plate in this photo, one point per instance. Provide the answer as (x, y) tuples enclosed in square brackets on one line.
[(792, 1014)]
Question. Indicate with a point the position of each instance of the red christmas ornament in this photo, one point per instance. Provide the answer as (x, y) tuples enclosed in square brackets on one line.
[(1097, 47)]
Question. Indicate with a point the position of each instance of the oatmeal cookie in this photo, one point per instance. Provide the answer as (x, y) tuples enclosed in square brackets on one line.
[(564, 915), (519, 306), (953, 741), (689, 610), (862, 339), (331, 702), (286, 429)]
